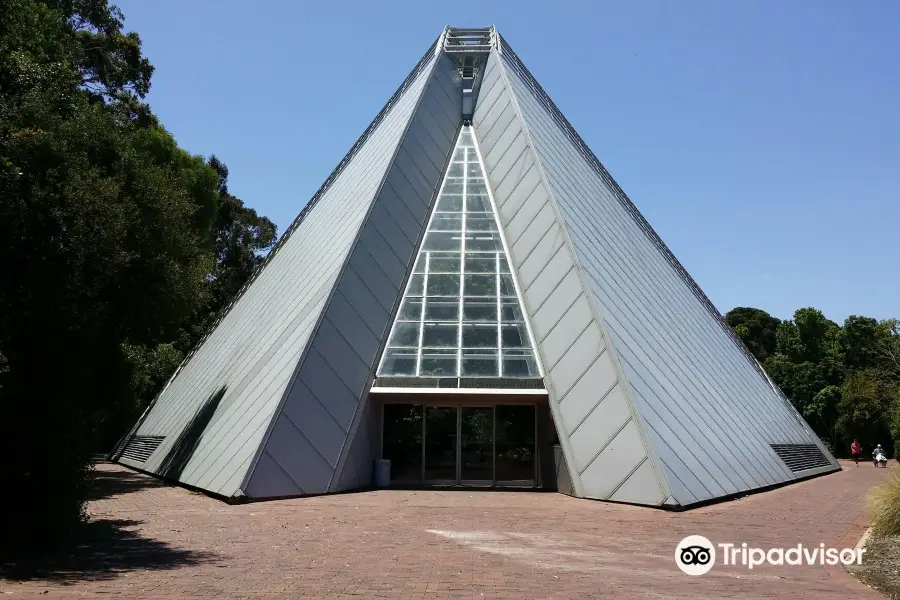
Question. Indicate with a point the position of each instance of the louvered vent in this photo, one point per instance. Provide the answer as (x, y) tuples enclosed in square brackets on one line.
[(801, 457), (139, 447)]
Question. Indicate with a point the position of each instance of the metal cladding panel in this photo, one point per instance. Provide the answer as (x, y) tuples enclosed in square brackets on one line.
[(589, 409), (709, 411), (356, 471), (218, 406), (325, 437)]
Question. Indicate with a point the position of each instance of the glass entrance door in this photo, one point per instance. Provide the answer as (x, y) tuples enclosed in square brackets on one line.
[(476, 454), (473, 445), (516, 435), (441, 426)]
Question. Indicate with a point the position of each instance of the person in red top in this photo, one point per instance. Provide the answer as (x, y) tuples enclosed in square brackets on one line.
[(855, 450)]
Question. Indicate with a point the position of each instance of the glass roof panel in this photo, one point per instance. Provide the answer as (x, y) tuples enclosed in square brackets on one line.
[(461, 315)]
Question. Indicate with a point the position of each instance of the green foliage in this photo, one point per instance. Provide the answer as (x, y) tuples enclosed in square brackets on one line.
[(809, 337), (118, 249), (894, 424), (801, 382), (865, 408), (822, 413), (887, 349), (241, 237), (150, 368), (858, 342), (756, 328), (844, 380)]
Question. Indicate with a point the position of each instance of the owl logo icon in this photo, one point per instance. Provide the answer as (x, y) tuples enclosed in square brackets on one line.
[(695, 555)]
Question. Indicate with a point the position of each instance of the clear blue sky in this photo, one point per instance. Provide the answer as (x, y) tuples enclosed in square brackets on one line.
[(760, 139)]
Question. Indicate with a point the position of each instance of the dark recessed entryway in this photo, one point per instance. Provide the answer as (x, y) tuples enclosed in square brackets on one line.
[(461, 444)]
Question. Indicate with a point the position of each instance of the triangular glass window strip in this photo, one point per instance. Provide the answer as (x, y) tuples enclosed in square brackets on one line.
[(461, 315)]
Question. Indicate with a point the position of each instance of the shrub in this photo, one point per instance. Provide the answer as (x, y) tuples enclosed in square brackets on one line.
[(884, 506)]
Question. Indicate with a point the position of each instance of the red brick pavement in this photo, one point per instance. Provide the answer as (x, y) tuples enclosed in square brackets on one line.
[(167, 542)]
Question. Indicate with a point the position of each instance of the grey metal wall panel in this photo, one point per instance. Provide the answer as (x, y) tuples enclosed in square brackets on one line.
[(638, 486), (601, 422), (386, 245), (366, 445), (503, 180), (297, 456), (618, 461), (558, 265), (344, 349), (585, 398), (510, 155), (324, 382), (593, 383), (708, 411), (542, 230), (528, 212), (364, 303), (270, 474), (545, 316), (353, 328), (217, 408), (559, 338), (315, 423)]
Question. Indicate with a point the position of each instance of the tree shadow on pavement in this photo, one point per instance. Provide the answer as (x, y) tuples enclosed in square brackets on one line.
[(104, 549), (108, 482)]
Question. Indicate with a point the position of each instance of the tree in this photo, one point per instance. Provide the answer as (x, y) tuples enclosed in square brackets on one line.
[(756, 328), (858, 342), (108, 61), (107, 230), (822, 413), (808, 337), (866, 409), (887, 349), (241, 239), (802, 382), (895, 425)]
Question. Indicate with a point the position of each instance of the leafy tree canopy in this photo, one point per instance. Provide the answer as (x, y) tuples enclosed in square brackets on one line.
[(119, 248), (756, 328), (844, 380)]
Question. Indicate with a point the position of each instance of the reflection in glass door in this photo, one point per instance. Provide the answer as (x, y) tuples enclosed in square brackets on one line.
[(515, 431), (440, 444), (402, 441), (476, 453)]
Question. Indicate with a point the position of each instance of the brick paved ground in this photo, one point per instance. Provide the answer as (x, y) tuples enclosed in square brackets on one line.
[(154, 541)]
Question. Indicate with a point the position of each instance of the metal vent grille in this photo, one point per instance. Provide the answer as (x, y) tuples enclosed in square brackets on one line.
[(139, 447), (801, 457)]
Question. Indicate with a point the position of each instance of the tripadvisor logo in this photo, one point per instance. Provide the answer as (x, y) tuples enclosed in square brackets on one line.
[(696, 555)]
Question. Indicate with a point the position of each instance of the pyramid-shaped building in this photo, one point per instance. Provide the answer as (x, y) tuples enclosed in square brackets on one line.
[(472, 297)]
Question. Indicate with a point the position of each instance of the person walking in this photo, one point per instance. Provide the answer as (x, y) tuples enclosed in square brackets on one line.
[(855, 451)]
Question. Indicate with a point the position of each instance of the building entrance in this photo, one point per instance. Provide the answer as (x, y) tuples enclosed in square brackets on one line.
[(461, 445)]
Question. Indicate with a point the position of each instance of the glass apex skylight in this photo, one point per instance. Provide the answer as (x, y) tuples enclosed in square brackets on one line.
[(461, 316)]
